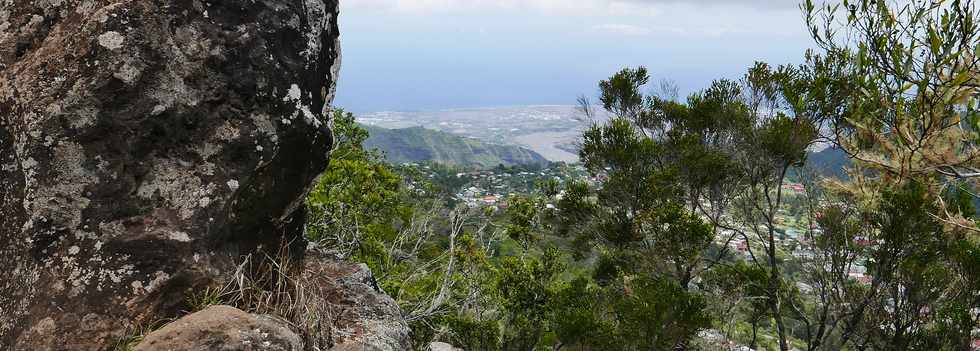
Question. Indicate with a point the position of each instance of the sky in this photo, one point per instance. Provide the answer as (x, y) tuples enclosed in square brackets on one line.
[(418, 55)]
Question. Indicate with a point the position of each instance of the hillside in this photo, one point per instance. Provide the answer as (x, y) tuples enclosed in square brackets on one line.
[(418, 144), (545, 129), (829, 162)]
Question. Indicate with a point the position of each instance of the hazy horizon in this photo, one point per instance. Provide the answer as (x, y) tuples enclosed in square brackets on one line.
[(425, 55)]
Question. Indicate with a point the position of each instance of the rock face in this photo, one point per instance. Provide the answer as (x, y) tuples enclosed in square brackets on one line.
[(223, 328), (145, 146), (361, 312)]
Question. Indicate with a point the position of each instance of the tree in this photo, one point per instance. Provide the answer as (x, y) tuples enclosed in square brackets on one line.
[(895, 86), (523, 215), (358, 191), (778, 140), (915, 293), (576, 310), (908, 78), (741, 285), (524, 286), (431, 258), (655, 217)]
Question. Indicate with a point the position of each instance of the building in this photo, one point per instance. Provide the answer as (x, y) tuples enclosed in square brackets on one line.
[(489, 200)]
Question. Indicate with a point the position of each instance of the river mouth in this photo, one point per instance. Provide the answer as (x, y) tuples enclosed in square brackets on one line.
[(546, 144)]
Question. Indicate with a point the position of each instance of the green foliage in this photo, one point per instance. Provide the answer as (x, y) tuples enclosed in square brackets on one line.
[(621, 93), (786, 139), (416, 248), (960, 200), (887, 259), (914, 259), (661, 158), (657, 314), (904, 86), (523, 288), (900, 96), (135, 334), (523, 213), (634, 314), (471, 334), (575, 311), (210, 296), (356, 190)]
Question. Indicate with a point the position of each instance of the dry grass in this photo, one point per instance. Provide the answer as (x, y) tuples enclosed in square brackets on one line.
[(267, 285), (135, 335), (270, 285)]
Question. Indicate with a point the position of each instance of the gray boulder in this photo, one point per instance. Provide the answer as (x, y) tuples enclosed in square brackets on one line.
[(145, 147)]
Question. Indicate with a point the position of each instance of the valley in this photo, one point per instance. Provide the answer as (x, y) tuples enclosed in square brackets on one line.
[(545, 129)]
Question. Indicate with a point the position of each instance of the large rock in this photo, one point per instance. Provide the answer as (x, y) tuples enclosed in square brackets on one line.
[(360, 310), (145, 145), (223, 328), (441, 346), (340, 307)]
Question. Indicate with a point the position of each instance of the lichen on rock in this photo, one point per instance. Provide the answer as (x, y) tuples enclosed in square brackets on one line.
[(147, 145)]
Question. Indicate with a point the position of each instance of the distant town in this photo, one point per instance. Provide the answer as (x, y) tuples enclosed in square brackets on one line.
[(493, 188)]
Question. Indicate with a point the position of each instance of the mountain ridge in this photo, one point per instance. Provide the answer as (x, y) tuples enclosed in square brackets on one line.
[(418, 144)]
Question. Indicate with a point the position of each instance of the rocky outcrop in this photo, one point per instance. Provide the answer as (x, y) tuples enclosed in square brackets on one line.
[(145, 146), (441, 346), (338, 306), (223, 328), (361, 312)]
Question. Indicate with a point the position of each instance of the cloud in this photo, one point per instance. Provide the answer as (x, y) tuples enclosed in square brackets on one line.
[(562, 7), (622, 29), (604, 7), (761, 4), (691, 19)]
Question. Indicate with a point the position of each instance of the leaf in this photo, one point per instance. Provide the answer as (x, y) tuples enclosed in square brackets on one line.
[(934, 42), (961, 78)]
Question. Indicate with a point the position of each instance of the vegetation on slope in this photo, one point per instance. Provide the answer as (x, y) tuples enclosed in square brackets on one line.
[(696, 227), (829, 162), (419, 144)]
